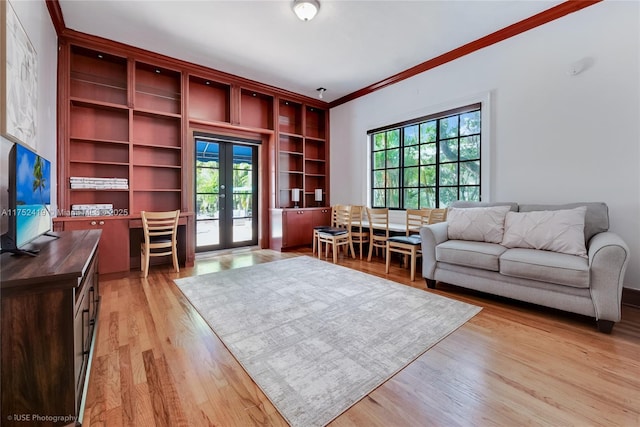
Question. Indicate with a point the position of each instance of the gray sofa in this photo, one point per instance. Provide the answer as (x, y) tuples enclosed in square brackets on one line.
[(590, 284)]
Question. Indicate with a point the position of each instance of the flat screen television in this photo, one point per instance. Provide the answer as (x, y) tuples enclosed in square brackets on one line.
[(29, 201)]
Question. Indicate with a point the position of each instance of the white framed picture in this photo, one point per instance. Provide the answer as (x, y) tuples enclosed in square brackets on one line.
[(19, 80)]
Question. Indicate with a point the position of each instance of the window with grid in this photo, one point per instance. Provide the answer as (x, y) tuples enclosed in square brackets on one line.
[(428, 162)]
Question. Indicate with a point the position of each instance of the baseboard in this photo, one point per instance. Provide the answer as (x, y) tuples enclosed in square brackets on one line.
[(631, 297)]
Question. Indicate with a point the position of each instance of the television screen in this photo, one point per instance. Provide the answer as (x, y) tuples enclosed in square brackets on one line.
[(33, 195)]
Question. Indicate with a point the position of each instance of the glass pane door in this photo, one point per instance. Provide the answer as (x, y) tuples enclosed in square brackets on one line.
[(226, 194)]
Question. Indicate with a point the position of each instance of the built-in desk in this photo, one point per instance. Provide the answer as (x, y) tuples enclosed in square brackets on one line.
[(186, 242), (120, 243)]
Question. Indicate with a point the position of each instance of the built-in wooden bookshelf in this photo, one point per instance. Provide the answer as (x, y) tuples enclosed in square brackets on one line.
[(130, 114), (303, 153)]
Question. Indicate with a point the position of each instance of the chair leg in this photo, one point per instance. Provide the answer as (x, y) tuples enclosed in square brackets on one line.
[(176, 266), (413, 264), (388, 258), (313, 244), (145, 270), (335, 252), (353, 252), (370, 250)]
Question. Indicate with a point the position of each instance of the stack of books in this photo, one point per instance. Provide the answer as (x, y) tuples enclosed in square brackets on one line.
[(98, 209), (79, 182)]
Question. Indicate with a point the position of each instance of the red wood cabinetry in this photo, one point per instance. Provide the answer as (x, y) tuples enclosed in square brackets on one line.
[(114, 244), (294, 227), (130, 114)]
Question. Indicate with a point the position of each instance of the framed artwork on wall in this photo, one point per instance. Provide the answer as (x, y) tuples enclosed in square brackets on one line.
[(18, 80)]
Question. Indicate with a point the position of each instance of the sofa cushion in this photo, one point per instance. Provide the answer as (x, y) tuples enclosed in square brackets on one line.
[(558, 231), (596, 219), (482, 224), (470, 254), (545, 266)]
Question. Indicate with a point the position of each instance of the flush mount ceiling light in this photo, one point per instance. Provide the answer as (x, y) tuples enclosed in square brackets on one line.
[(305, 9)]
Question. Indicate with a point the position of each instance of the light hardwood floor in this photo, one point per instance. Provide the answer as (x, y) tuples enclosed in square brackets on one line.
[(156, 362)]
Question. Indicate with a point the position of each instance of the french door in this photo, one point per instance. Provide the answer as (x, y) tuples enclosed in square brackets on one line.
[(226, 193)]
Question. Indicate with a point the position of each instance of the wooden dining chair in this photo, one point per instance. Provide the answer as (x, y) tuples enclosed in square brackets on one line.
[(409, 245), (437, 215), (160, 237), (317, 228), (359, 233), (378, 229), (339, 234)]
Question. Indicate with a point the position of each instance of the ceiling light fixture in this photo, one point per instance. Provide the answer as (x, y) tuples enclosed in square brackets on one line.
[(321, 91), (305, 9)]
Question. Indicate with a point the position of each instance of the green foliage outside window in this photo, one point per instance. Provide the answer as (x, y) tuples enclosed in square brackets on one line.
[(428, 163)]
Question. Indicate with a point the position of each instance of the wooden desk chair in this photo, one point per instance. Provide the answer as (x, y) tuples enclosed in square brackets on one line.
[(339, 234), (378, 229), (410, 244), (160, 237), (359, 235)]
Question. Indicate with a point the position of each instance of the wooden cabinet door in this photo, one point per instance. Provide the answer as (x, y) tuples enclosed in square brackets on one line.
[(321, 217), (114, 242), (296, 228)]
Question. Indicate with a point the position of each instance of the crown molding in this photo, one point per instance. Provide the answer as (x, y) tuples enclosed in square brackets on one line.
[(512, 30)]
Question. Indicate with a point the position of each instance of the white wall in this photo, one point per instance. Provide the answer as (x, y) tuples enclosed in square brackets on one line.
[(35, 19), (555, 138)]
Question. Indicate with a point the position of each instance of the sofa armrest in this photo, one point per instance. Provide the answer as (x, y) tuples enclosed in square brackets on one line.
[(431, 235), (608, 259)]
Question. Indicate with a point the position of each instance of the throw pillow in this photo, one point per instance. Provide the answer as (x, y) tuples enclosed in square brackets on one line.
[(557, 231), (484, 224)]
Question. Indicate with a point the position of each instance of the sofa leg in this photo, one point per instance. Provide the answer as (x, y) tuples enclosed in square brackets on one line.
[(431, 284), (605, 326)]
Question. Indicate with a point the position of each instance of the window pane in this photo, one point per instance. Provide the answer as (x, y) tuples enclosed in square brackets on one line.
[(393, 138), (411, 177), (427, 164), (427, 176), (411, 135), (378, 159), (448, 195), (411, 155), (393, 158), (470, 193), (470, 147), (428, 132), (411, 198), (427, 197), (393, 178), (428, 154), (208, 233), (242, 205), (378, 179), (448, 174), (393, 198), (470, 173), (470, 123), (449, 127), (378, 199), (449, 150), (207, 206), (207, 180), (378, 141)]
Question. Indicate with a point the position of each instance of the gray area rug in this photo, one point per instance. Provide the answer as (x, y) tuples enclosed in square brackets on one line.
[(317, 337)]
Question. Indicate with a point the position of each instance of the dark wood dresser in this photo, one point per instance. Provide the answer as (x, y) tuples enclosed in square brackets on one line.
[(49, 316)]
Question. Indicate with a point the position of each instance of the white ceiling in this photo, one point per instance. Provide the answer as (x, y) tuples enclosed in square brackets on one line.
[(348, 46)]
